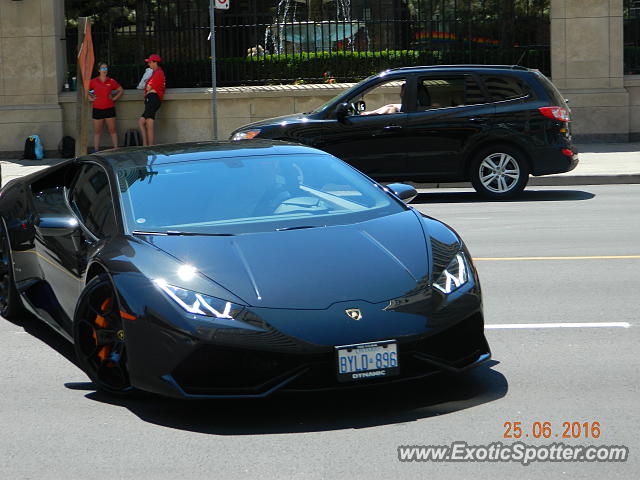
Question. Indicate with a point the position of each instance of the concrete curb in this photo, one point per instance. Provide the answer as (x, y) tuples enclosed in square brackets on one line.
[(552, 181)]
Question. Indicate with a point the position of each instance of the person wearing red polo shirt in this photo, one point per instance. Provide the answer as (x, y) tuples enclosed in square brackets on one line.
[(101, 93), (153, 95)]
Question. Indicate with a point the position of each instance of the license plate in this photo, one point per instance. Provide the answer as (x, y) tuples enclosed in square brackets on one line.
[(367, 360)]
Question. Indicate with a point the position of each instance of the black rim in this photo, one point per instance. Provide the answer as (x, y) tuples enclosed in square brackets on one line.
[(101, 339), (5, 276)]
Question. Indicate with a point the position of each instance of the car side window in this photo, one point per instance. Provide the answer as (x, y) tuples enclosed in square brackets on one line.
[(91, 199), (447, 91), (384, 98), (505, 87)]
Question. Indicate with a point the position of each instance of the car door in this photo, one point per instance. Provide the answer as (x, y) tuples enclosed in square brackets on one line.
[(450, 111), (370, 141), (65, 251)]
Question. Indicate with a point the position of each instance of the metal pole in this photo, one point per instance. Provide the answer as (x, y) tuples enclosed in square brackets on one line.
[(82, 104), (214, 96)]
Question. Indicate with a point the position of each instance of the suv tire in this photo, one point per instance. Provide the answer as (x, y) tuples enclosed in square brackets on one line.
[(499, 172)]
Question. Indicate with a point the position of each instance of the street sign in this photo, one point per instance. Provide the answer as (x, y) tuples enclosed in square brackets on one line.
[(222, 4)]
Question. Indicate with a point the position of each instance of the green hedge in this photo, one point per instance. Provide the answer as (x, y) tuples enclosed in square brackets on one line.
[(317, 67)]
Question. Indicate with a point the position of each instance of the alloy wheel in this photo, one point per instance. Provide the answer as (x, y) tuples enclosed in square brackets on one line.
[(100, 338), (499, 172)]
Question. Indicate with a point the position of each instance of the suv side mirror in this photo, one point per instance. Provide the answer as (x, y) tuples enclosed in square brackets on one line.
[(404, 192), (342, 111)]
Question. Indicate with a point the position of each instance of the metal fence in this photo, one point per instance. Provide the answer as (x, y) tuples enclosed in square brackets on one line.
[(308, 41)]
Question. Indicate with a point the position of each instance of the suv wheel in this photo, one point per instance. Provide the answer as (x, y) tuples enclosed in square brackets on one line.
[(499, 172)]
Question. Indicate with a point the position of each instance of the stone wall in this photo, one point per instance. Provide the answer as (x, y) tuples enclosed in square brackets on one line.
[(185, 114), (587, 66), (32, 68)]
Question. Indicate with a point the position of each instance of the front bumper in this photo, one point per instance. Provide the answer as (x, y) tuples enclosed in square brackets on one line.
[(182, 366)]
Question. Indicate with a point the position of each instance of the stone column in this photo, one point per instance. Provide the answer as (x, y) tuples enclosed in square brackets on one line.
[(32, 71), (587, 66)]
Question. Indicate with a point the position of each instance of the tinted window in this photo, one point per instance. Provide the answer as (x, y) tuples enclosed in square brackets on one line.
[(383, 98), (249, 194), (505, 87), (91, 199), (443, 92), (555, 96)]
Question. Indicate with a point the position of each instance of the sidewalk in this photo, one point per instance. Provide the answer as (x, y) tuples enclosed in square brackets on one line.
[(599, 164)]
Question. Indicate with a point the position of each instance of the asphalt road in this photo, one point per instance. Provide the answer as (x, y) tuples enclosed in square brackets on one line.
[(53, 425)]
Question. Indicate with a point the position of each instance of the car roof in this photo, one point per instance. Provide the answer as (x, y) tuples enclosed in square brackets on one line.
[(197, 151), (431, 68)]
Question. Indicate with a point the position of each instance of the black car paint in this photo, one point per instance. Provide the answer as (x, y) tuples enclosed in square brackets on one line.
[(409, 251), (438, 144)]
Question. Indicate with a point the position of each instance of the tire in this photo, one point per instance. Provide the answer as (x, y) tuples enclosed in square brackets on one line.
[(10, 303), (499, 172), (99, 338)]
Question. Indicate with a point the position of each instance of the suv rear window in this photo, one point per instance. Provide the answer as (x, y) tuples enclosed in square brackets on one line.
[(505, 87), (556, 97)]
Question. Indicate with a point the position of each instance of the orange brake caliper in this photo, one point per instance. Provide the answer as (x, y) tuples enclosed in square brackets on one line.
[(101, 322)]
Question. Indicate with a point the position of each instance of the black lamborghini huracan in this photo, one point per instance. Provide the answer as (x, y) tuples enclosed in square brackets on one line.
[(210, 270)]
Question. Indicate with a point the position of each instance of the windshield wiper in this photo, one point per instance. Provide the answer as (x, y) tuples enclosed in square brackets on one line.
[(183, 234), (302, 227)]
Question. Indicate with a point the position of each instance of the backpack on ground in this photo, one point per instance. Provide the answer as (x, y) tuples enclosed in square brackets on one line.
[(33, 149), (67, 147), (132, 138)]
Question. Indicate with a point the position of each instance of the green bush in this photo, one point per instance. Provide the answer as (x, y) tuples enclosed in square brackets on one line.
[(319, 67)]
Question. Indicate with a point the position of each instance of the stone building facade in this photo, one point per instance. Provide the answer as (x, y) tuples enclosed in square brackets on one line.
[(586, 56)]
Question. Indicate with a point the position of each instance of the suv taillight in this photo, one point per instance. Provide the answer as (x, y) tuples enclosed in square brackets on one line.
[(556, 113)]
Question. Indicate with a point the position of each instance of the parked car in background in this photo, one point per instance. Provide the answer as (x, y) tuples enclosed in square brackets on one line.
[(491, 125)]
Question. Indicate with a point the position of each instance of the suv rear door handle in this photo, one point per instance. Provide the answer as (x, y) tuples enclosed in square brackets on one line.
[(479, 119), (390, 128)]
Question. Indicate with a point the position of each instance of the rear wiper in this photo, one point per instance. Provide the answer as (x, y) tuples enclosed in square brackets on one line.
[(182, 234), (298, 228)]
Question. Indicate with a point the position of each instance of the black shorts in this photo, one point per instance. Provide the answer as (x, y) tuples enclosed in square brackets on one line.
[(100, 113), (151, 105)]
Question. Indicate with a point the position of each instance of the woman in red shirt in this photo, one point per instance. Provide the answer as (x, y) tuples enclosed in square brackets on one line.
[(101, 90), (153, 95)]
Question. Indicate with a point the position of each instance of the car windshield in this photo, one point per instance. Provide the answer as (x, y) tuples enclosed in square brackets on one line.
[(237, 195)]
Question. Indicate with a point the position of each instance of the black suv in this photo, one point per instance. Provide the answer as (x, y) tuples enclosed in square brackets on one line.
[(492, 125)]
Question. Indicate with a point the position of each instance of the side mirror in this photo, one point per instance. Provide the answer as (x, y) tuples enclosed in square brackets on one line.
[(404, 192), (56, 226), (342, 111)]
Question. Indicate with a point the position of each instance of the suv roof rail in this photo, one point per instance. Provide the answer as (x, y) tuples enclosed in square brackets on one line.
[(434, 67)]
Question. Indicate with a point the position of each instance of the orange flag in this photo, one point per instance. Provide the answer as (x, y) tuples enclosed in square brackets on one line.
[(86, 58)]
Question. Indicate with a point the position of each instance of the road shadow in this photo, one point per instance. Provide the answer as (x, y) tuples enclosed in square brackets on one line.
[(314, 412), (529, 195)]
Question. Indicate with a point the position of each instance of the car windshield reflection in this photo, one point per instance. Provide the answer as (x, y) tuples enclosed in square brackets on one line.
[(249, 194)]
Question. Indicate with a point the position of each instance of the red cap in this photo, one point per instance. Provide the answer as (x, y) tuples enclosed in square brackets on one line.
[(153, 58)]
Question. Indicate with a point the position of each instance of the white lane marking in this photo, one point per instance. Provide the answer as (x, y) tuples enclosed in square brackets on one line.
[(558, 325)]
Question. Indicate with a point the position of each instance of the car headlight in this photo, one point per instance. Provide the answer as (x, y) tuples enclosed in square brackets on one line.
[(199, 303), (246, 135), (454, 276)]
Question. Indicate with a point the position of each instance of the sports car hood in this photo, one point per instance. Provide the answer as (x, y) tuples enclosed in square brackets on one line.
[(374, 261)]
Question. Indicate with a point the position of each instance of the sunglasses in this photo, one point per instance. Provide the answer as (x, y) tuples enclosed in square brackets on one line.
[(103, 69)]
